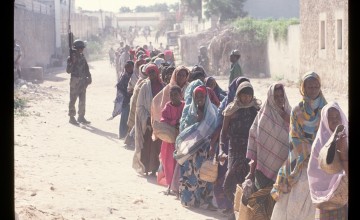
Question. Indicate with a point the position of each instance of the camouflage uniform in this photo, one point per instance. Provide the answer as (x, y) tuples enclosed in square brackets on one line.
[(80, 79)]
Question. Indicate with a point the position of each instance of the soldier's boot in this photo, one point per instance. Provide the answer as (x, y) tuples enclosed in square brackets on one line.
[(81, 119), (73, 121)]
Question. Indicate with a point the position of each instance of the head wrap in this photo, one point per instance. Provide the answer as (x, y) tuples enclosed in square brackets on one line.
[(158, 61), (237, 104), (150, 67), (307, 75), (311, 105), (129, 62), (200, 89), (168, 53), (208, 80)]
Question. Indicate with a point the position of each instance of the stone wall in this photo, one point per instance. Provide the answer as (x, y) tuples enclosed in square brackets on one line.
[(330, 63)]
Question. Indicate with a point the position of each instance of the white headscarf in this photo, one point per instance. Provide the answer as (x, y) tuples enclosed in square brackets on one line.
[(322, 185)]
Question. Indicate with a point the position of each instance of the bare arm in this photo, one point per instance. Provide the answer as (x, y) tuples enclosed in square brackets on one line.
[(214, 137), (224, 133)]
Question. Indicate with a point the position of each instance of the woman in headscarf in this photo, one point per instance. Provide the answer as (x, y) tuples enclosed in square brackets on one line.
[(238, 118), (267, 148), (179, 78), (166, 73), (135, 76), (171, 115), (130, 136), (198, 74), (146, 156), (221, 200), (192, 146), (325, 185), (169, 57), (291, 188), (211, 83)]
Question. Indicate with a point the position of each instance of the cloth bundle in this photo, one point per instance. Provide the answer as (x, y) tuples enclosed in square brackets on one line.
[(165, 132)]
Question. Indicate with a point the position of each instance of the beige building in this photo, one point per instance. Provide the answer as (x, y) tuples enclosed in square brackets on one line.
[(324, 41)]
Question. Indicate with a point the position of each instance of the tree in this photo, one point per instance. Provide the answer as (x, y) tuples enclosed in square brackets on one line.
[(193, 7), (124, 10), (173, 7), (158, 7), (225, 9)]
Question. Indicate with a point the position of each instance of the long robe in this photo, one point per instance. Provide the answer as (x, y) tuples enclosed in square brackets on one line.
[(146, 155)]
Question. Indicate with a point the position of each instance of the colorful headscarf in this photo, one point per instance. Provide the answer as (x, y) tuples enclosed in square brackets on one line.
[(218, 91), (323, 185), (237, 104), (190, 89), (268, 142), (150, 67), (200, 89), (193, 132), (304, 123)]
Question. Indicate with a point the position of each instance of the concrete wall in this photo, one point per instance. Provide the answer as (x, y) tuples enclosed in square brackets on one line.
[(34, 30), (272, 9), (330, 63), (35, 33), (284, 56)]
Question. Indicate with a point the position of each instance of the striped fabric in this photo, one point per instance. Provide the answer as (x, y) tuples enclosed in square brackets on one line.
[(261, 204), (268, 143), (337, 214)]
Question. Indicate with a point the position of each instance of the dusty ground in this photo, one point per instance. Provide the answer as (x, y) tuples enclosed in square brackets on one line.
[(68, 172)]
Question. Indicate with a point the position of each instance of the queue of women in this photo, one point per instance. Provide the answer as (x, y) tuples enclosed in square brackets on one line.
[(289, 162)]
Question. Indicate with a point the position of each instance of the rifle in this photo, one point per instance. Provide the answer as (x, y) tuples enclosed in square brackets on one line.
[(70, 36)]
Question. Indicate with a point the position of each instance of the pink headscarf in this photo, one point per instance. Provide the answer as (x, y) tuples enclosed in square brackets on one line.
[(322, 185)]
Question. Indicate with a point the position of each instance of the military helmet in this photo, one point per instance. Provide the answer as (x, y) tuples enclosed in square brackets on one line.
[(79, 44)]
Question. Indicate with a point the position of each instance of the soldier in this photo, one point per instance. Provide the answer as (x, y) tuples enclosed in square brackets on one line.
[(80, 79), (17, 58)]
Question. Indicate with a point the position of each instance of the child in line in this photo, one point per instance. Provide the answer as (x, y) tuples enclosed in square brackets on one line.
[(171, 114)]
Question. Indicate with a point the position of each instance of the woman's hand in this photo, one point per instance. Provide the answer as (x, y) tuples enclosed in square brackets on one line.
[(342, 147)]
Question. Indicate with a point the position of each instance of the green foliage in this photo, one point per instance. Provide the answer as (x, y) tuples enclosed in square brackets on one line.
[(174, 7), (226, 9), (280, 27), (259, 29), (158, 7), (124, 10), (19, 105), (193, 7)]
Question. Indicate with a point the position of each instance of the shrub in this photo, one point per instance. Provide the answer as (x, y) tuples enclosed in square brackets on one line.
[(259, 29)]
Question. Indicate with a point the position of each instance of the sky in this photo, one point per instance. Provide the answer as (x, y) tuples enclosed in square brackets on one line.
[(114, 5)]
